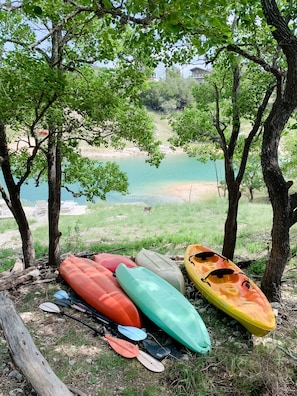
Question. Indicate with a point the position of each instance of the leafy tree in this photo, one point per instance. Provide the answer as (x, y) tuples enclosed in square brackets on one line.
[(282, 23), (170, 95), (263, 33), (99, 108), (221, 102)]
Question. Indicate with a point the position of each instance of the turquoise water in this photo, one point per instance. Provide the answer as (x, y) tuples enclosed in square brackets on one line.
[(145, 181)]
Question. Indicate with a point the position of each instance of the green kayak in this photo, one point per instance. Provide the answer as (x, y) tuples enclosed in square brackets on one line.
[(164, 305)]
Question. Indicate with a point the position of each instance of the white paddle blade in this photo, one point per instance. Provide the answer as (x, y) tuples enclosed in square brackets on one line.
[(49, 307), (149, 362)]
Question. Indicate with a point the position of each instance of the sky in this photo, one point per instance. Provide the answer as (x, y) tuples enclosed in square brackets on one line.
[(185, 70)]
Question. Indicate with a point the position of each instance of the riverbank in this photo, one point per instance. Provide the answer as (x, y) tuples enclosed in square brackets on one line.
[(126, 152), (182, 192), (192, 192)]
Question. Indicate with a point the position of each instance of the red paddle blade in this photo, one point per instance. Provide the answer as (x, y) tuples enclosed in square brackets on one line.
[(123, 347), (150, 362)]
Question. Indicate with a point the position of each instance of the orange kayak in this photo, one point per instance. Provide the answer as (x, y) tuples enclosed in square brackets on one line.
[(111, 260), (224, 285), (99, 288)]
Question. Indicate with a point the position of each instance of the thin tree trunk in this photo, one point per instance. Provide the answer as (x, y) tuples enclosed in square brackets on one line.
[(54, 165), (230, 234), (13, 201), (54, 199), (279, 197)]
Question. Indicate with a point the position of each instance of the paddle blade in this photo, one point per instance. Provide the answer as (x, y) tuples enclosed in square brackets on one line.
[(133, 333), (156, 350), (49, 307), (63, 303), (123, 347), (149, 362), (61, 294)]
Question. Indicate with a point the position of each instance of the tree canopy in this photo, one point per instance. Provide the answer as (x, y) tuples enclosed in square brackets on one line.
[(60, 37)]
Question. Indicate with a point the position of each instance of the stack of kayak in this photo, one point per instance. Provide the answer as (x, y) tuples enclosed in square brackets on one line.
[(136, 288), (100, 289), (152, 286)]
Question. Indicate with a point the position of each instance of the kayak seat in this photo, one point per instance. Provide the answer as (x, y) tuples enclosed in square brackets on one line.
[(209, 256), (229, 290), (220, 273)]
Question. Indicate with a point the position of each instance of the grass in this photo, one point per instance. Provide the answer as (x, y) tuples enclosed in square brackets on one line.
[(168, 228), (238, 364)]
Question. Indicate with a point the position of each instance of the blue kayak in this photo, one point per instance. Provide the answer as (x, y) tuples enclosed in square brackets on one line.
[(164, 305)]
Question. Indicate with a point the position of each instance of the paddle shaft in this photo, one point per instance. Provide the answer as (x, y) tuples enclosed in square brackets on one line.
[(160, 353), (146, 360), (130, 332), (92, 311), (99, 332), (81, 308), (89, 309), (122, 347)]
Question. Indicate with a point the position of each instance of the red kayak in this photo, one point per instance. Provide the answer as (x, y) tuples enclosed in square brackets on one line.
[(99, 288), (111, 261)]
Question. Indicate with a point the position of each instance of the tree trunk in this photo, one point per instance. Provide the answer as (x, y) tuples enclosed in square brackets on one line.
[(14, 201), (25, 354), (54, 199), (284, 105), (230, 234), (54, 163), (279, 197)]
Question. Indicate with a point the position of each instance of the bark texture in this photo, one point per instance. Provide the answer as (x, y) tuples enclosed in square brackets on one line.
[(278, 187)]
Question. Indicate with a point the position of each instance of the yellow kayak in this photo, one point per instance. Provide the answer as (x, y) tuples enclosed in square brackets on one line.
[(224, 285)]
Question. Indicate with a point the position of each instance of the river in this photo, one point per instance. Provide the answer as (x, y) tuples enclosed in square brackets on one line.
[(146, 183)]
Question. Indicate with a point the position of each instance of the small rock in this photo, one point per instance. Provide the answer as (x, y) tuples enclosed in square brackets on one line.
[(276, 305), (16, 374), (16, 391)]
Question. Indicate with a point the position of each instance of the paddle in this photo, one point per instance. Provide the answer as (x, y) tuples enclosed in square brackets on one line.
[(133, 333), (155, 349), (122, 347), (150, 363)]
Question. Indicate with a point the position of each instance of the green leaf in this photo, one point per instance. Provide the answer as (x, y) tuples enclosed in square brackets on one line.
[(37, 10)]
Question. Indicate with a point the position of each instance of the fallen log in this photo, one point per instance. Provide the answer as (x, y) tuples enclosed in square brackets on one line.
[(27, 276), (25, 354)]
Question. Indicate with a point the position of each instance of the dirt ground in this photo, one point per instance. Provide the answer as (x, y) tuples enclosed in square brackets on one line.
[(84, 377)]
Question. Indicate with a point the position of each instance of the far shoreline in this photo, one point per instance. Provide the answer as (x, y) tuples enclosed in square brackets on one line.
[(192, 191)]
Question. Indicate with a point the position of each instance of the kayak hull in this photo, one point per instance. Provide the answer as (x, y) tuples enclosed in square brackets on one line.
[(111, 260), (99, 288), (224, 285), (165, 306), (163, 266)]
